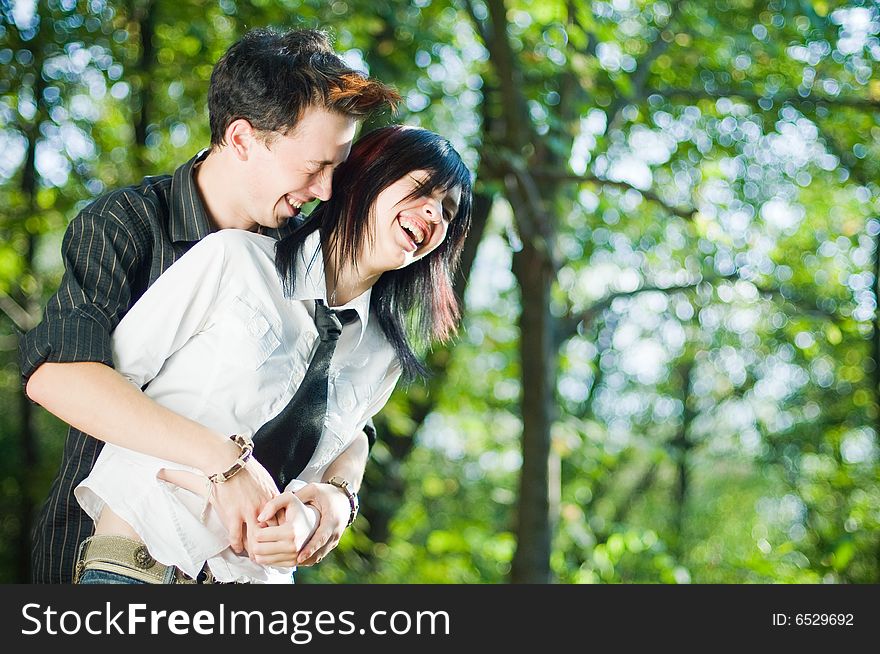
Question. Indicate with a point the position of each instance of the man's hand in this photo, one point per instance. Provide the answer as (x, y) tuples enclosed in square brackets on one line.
[(334, 508), (294, 523), (239, 500)]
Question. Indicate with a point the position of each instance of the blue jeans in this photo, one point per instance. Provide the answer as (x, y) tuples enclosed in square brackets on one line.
[(102, 577)]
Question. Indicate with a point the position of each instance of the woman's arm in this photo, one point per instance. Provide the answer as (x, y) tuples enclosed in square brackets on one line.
[(331, 502)]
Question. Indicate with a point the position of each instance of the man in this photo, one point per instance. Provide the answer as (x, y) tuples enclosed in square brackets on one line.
[(283, 111)]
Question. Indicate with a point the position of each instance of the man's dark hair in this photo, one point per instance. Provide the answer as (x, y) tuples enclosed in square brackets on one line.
[(420, 294), (270, 78)]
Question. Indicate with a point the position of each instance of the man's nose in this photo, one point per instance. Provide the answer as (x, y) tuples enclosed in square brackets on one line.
[(323, 187)]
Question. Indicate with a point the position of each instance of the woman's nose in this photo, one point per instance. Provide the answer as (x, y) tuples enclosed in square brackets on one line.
[(431, 210)]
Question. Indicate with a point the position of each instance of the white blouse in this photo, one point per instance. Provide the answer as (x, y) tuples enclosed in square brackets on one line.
[(215, 339)]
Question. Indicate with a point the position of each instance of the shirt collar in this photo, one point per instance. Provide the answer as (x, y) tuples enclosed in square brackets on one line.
[(311, 283), (189, 220)]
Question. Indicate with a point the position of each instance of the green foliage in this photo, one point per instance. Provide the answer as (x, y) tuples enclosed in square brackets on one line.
[(709, 172)]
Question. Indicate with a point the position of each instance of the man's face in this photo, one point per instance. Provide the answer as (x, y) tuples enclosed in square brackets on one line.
[(290, 170)]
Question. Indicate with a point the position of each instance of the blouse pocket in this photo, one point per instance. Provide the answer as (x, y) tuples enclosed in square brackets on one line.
[(346, 396), (259, 337), (351, 399)]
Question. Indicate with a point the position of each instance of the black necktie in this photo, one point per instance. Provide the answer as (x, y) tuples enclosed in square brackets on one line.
[(285, 444)]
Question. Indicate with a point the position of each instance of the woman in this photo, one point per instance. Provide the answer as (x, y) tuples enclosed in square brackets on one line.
[(226, 335)]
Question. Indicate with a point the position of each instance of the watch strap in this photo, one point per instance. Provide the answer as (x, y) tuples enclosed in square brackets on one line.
[(343, 485)]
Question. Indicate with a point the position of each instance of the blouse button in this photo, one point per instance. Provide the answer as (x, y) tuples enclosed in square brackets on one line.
[(344, 397)]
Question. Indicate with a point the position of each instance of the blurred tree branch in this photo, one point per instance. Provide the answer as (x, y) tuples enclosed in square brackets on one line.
[(753, 96), (639, 79), (22, 320), (568, 325), (681, 212)]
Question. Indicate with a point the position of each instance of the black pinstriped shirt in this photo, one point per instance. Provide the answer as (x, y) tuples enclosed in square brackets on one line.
[(113, 251)]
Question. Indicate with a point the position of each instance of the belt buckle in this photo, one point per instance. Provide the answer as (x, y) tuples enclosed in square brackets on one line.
[(209, 576), (205, 576)]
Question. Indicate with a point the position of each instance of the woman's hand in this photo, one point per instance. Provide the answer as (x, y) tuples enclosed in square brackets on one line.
[(279, 545), (334, 511)]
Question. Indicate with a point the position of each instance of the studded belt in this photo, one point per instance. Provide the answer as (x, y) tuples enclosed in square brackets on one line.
[(132, 559)]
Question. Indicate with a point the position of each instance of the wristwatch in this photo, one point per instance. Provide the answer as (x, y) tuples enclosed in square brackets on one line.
[(342, 484)]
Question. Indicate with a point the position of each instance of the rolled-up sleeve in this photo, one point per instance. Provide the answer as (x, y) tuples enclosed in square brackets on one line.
[(101, 257), (370, 432)]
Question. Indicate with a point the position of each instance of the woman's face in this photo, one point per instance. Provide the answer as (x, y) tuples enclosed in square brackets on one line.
[(405, 230)]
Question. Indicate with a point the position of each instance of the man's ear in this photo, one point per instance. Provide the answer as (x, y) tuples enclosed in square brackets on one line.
[(240, 138)]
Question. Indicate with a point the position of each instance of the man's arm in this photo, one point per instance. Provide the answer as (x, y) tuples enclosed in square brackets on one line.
[(101, 256), (97, 400), (66, 365)]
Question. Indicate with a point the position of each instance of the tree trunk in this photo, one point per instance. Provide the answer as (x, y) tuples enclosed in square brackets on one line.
[(144, 16), (874, 363), (531, 562), (27, 434), (874, 360), (681, 447)]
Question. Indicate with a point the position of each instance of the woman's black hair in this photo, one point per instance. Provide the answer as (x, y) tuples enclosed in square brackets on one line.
[(421, 293)]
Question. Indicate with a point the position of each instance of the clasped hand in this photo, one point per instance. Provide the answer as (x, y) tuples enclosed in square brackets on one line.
[(287, 534), (277, 528)]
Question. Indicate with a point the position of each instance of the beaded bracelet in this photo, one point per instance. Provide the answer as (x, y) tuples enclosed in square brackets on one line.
[(247, 448)]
